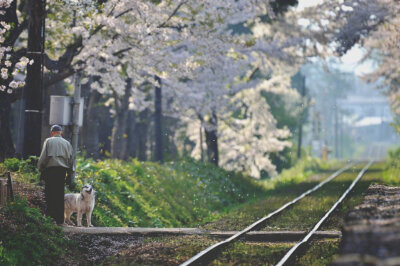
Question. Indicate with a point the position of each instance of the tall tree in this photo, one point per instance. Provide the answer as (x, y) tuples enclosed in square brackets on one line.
[(90, 133), (211, 133), (157, 122), (33, 93), (119, 133)]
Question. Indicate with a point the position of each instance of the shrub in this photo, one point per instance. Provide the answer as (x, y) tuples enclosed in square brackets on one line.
[(25, 166), (392, 175), (28, 238)]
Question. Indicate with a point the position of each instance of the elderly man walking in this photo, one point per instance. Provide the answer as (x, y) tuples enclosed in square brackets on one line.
[(55, 163)]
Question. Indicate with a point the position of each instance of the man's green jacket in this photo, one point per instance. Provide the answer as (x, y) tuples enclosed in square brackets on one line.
[(56, 152)]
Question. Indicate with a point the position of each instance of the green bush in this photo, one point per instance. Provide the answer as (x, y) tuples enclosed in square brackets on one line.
[(392, 175), (12, 164), (28, 238), (19, 165), (302, 170)]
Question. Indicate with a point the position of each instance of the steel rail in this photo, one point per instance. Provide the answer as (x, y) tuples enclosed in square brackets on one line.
[(316, 227), (207, 254)]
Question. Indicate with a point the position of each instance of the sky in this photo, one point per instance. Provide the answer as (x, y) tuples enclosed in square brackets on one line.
[(351, 62)]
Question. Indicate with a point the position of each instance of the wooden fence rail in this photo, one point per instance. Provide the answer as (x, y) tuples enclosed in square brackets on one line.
[(7, 188)]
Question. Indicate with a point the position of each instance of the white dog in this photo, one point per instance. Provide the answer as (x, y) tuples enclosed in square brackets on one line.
[(81, 203)]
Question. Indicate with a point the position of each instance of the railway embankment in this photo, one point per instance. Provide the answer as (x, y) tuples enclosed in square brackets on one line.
[(371, 234)]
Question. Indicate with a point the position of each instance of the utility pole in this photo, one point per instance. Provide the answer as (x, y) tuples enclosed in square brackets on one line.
[(158, 121), (75, 117), (302, 117), (341, 154), (336, 125), (33, 92)]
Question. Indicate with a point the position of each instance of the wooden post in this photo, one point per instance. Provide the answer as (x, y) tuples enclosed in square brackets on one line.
[(10, 186), (336, 130), (3, 195)]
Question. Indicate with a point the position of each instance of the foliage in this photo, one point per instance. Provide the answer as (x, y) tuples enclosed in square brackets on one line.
[(28, 238), (25, 166), (174, 194), (286, 111), (303, 169), (200, 63), (284, 159), (392, 174)]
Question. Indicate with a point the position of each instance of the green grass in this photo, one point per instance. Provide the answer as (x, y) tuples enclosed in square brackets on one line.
[(320, 252), (145, 194), (27, 238), (305, 213), (302, 216), (190, 193), (176, 250), (185, 193)]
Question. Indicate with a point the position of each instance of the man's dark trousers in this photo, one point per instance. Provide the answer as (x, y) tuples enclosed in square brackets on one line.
[(54, 178)]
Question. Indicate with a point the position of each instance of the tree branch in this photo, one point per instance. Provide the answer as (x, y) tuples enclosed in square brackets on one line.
[(15, 33), (53, 79), (162, 25)]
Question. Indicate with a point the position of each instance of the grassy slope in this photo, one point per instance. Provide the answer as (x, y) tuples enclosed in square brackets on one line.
[(146, 194), (28, 238)]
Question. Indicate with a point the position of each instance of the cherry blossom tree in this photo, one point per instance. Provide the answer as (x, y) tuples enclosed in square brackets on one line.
[(386, 40), (144, 38), (188, 44), (211, 97)]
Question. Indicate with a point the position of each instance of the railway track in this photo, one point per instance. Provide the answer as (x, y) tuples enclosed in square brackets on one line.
[(209, 254)]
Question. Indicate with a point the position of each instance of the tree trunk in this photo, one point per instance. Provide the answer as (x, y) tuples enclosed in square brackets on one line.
[(142, 130), (6, 144), (90, 132), (212, 140), (201, 143), (158, 136), (132, 135), (20, 129), (118, 139), (169, 131), (119, 136), (34, 79)]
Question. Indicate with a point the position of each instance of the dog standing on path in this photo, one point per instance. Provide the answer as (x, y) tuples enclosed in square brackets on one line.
[(81, 203)]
